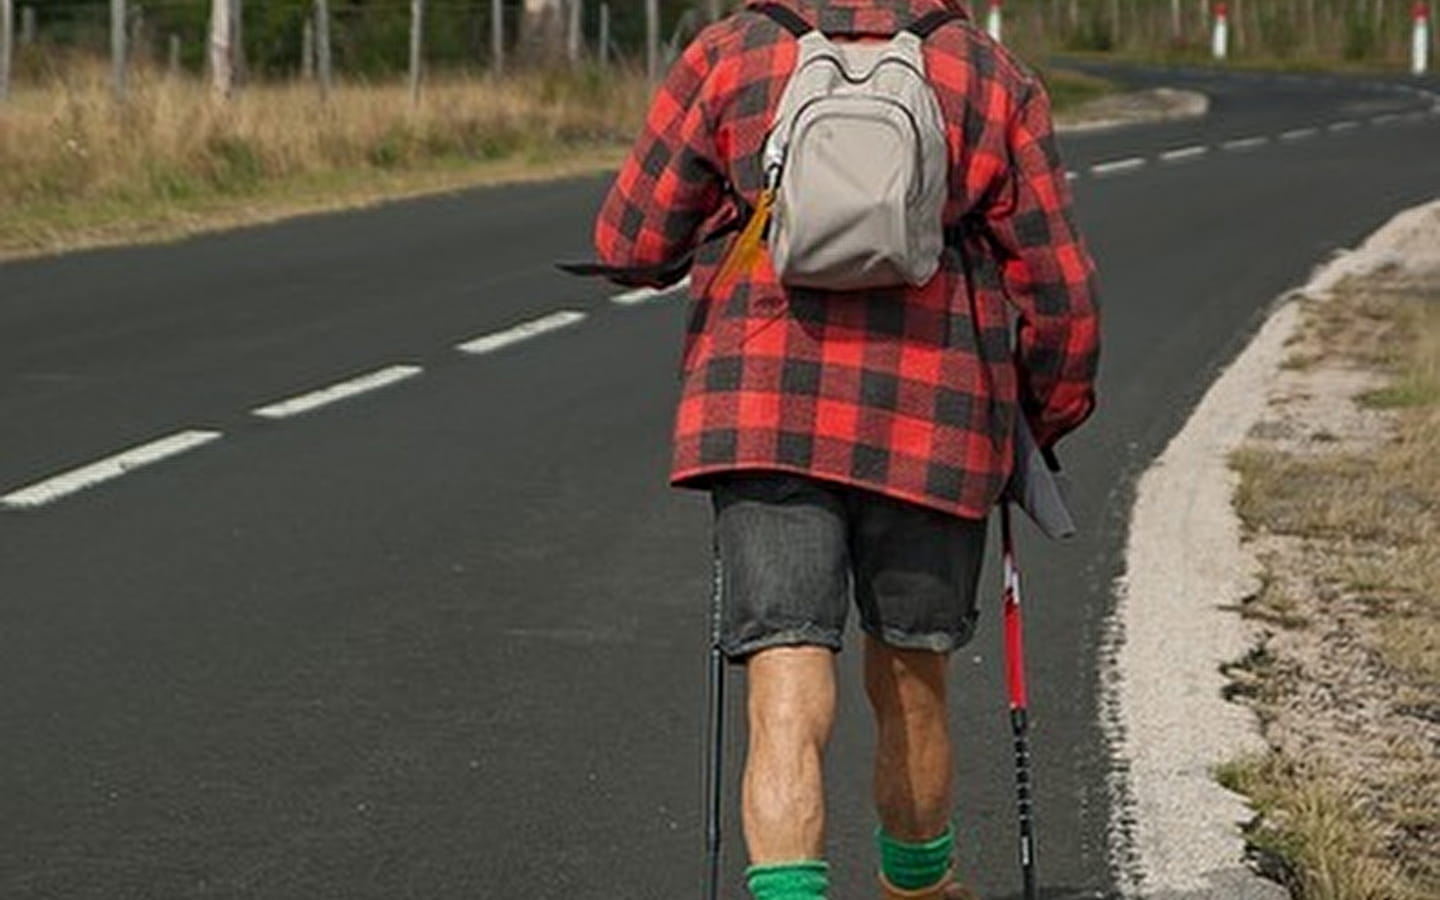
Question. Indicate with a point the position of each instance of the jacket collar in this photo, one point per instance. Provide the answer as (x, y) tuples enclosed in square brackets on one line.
[(864, 17)]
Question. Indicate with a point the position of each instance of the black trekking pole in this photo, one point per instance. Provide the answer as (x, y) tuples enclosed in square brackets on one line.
[(714, 766), (1019, 702)]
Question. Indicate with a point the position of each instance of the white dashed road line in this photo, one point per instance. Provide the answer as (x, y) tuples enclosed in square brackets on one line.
[(294, 406), (1246, 143), (525, 331), (1115, 167), (66, 483), (1184, 153), (645, 295)]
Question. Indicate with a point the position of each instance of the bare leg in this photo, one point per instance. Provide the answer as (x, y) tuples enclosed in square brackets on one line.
[(913, 772), (792, 711)]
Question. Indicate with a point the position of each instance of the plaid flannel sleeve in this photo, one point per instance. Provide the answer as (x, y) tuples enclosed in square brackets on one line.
[(1048, 276), (671, 181)]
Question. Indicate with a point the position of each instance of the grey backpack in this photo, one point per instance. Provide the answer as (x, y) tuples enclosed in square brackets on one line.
[(856, 162)]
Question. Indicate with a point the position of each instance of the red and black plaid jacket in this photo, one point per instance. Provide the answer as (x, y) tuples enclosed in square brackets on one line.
[(911, 392)]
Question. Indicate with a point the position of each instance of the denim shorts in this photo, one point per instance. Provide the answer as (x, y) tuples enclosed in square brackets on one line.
[(791, 550)]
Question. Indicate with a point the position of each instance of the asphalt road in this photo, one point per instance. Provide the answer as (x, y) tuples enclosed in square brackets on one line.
[(446, 638)]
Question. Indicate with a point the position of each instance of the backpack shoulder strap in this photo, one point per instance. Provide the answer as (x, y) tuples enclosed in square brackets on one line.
[(932, 22), (785, 17)]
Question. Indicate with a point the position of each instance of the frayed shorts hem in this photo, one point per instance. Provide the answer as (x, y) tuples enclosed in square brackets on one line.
[(934, 641), (804, 636), (813, 636)]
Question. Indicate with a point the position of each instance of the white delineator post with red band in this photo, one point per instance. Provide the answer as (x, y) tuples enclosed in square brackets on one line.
[(1420, 41), (993, 21), (1220, 41)]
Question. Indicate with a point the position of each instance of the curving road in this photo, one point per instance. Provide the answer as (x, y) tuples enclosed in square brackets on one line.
[(361, 613)]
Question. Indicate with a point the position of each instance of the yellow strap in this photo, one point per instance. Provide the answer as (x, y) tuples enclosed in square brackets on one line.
[(746, 249)]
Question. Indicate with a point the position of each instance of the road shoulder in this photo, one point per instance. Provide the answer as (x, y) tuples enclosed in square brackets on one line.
[(1179, 833)]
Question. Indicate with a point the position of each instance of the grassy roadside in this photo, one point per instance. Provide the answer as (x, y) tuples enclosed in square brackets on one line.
[(75, 171), (43, 228), (1340, 498), (1070, 91)]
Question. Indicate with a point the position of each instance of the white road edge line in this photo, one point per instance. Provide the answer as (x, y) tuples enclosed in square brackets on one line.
[(1115, 167), (1344, 125), (524, 331), (1246, 143), (644, 295), (66, 483), (1387, 118), (303, 403), (1299, 134), (1184, 153), (1072, 175)]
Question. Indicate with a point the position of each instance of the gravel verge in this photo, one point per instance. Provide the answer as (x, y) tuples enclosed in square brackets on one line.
[(1179, 834), (1134, 108)]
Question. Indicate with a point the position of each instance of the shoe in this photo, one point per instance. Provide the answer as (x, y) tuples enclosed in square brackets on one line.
[(947, 888)]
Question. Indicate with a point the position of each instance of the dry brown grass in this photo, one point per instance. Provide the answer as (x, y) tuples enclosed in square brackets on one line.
[(1383, 507), (1320, 831), (1274, 602), (1354, 533), (70, 156)]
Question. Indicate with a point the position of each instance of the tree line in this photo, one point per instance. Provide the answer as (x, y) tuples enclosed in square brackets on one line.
[(369, 38)]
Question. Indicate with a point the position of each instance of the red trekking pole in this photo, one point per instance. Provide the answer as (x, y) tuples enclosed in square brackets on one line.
[(1019, 702)]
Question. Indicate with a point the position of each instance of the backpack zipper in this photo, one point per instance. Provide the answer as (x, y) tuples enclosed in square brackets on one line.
[(839, 64), (778, 166)]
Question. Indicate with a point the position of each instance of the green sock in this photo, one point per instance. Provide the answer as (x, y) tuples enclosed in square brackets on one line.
[(914, 866), (805, 879)]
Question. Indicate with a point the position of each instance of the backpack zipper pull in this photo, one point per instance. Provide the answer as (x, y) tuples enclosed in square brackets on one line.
[(773, 169)]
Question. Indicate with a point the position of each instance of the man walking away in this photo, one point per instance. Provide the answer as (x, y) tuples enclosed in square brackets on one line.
[(850, 398)]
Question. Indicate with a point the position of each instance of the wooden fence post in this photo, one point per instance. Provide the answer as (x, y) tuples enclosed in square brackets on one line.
[(652, 39), (417, 33), (497, 36), (7, 46), (324, 65), (575, 37), (117, 48), (604, 34), (221, 74)]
